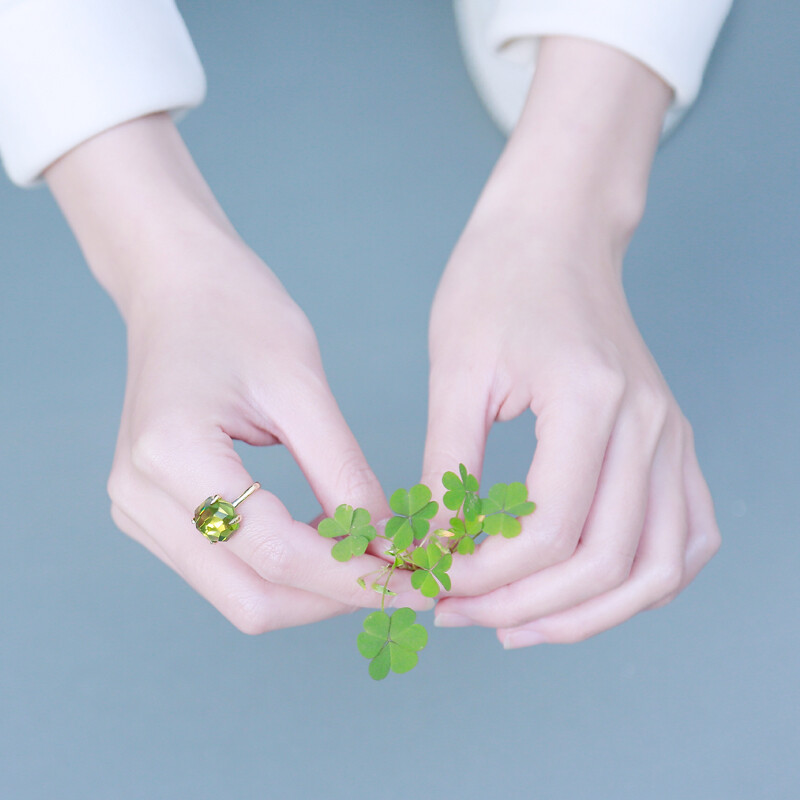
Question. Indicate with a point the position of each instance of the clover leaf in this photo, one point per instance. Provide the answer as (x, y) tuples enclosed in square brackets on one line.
[(354, 525), (432, 563), (391, 642), (413, 509), (504, 504), (462, 489), (463, 533)]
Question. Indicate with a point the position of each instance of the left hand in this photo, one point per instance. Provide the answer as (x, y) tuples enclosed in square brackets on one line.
[(531, 313), (624, 518)]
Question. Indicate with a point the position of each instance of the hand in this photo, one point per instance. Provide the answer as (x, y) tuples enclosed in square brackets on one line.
[(217, 351), (531, 313)]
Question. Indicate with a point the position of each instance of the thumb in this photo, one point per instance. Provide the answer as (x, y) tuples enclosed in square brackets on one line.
[(327, 452)]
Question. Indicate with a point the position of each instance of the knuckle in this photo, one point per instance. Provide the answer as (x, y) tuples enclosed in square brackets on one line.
[(150, 449), (118, 516), (557, 547), (667, 579), (117, 487), (663, 602), (605, 382), (650, 405), (355, 481), (557, 537), (591, 379), (270, 557), (611, 570), (713, 543), (249, 616)]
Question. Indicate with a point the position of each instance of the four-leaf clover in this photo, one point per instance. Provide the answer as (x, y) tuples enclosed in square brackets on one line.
[(413, 509), (433, 563), (354, 525), (504, 504), (391, 642)]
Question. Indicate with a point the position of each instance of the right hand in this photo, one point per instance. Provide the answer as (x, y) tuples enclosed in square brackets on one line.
[(228, 355), (217, 351)]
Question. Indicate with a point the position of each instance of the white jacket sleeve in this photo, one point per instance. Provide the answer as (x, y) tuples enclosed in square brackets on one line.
[(674, 38), (70, 69)]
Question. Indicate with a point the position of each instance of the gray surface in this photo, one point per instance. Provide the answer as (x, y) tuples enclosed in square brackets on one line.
[(347, 144)]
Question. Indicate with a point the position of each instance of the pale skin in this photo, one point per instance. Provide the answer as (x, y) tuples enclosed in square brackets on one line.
[(624, 521)]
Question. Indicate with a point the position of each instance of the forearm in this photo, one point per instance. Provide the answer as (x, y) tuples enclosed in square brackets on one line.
[(131, 195), (578, 162)]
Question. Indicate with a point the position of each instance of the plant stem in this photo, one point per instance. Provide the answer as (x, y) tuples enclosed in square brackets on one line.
[(386, 585)]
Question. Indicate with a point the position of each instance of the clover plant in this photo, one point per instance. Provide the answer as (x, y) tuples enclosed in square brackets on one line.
[(391, 641)]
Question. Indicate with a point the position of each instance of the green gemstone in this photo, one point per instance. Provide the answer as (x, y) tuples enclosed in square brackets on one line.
[(216, 519)]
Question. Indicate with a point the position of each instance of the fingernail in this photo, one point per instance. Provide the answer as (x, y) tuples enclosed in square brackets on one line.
[(380, 525), (450, 620), (522, 639)]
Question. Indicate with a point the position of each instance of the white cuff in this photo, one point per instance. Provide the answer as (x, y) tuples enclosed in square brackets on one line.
[(70, 69), (674, 38)]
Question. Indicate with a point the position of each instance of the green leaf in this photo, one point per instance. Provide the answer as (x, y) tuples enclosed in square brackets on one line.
[(462, 489), (418, 578), (503, 524), (379, 666), (398, 502), (415, 637), (466, 547), (413, 509), (377, 624), (504, 504), (420, 527), (354, 525), (420, 558), (402, 659), (432, 563), (401, 532), (343, 551), (509, 498), (429, 588), (402, 620), (391, 642), (470, 481), (369, 646), (471, 527), (419, 497), (472, 506)]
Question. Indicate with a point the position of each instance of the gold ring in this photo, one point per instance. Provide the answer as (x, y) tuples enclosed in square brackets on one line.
[(217, 519)]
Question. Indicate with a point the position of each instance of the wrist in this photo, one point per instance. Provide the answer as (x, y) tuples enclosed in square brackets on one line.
[(578, 163), (133, 196)]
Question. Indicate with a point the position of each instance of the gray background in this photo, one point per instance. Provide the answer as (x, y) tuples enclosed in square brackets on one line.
[(347, 144)]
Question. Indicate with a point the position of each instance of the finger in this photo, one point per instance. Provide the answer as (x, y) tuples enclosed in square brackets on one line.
[(131, 528), (704, 537), (572, 437), (604, 556), (458, 424), (241, 596), (319, 439), (189, 464), (657, 571)]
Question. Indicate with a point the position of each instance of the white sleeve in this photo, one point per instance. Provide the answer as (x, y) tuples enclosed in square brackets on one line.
[(674, 38), (70, 69)]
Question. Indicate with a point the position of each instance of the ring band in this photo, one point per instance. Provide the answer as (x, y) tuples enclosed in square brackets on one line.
[(217, 519)]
